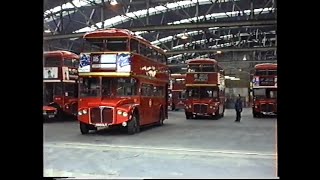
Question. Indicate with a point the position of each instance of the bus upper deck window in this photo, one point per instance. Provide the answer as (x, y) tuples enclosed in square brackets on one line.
[(194, 68), (215, 93), (208, 68), (115, 44), (134, 46), (272, 72)]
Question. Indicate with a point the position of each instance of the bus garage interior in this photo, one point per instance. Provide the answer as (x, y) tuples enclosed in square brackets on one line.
[(168, 118)]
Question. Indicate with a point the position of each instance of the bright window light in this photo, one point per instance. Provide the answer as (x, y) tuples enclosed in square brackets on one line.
[(113, 2)]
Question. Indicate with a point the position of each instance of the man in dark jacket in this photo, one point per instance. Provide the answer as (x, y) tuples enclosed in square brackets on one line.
[(238, 108)]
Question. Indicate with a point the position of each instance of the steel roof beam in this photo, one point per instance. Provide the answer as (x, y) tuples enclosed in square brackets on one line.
[(203, 25), (248, 61), (220, 49), (224, 25)]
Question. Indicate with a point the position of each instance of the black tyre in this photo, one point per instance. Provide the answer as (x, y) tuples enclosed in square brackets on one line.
[(60, 113), (188, 115), (222, 115), (161, 118), (255, 114), (74, 109), (138, 124), (173, 107), (133, 126), (216, 116), (84, 128)]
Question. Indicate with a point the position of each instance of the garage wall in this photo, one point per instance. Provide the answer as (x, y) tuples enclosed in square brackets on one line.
[(232, 94)]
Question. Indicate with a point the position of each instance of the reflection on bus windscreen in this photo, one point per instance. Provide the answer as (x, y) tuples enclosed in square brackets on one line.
[(107, 87), (202, 92), (110, 44)]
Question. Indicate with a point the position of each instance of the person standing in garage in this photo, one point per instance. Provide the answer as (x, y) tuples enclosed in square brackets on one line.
[(238, 108)]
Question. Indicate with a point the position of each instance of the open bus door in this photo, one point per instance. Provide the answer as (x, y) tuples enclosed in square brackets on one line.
[(48, 93), (167, 99)]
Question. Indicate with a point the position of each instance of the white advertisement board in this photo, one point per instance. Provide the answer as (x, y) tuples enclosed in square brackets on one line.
[(50, 72), (123, 63), (84, 65)]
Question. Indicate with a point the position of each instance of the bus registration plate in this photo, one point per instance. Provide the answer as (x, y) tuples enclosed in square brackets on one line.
[(101, 125), (268, 113)]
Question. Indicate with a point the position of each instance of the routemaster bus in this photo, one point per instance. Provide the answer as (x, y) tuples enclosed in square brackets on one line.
[(178, 91), (205, 89), (123, 82), (264, 90), (60, 89)]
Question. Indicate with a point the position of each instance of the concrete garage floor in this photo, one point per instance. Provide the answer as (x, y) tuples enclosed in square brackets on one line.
[(181, 148)]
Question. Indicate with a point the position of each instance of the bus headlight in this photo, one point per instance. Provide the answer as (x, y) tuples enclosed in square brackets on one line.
[(119, 112), (82, 112), (210, 107), (125, 114), (189, 106)]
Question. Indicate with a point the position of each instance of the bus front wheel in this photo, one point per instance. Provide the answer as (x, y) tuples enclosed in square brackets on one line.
[(222, 115), (133, 125), (161, 118), (173, 107), (188, 116), (255, 114), (217, 115), (84, 128)]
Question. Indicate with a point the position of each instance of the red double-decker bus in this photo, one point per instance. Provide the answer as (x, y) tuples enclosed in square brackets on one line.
[(60, 87), (123, 82), (178, 82), (264, 90), (205, 89)]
